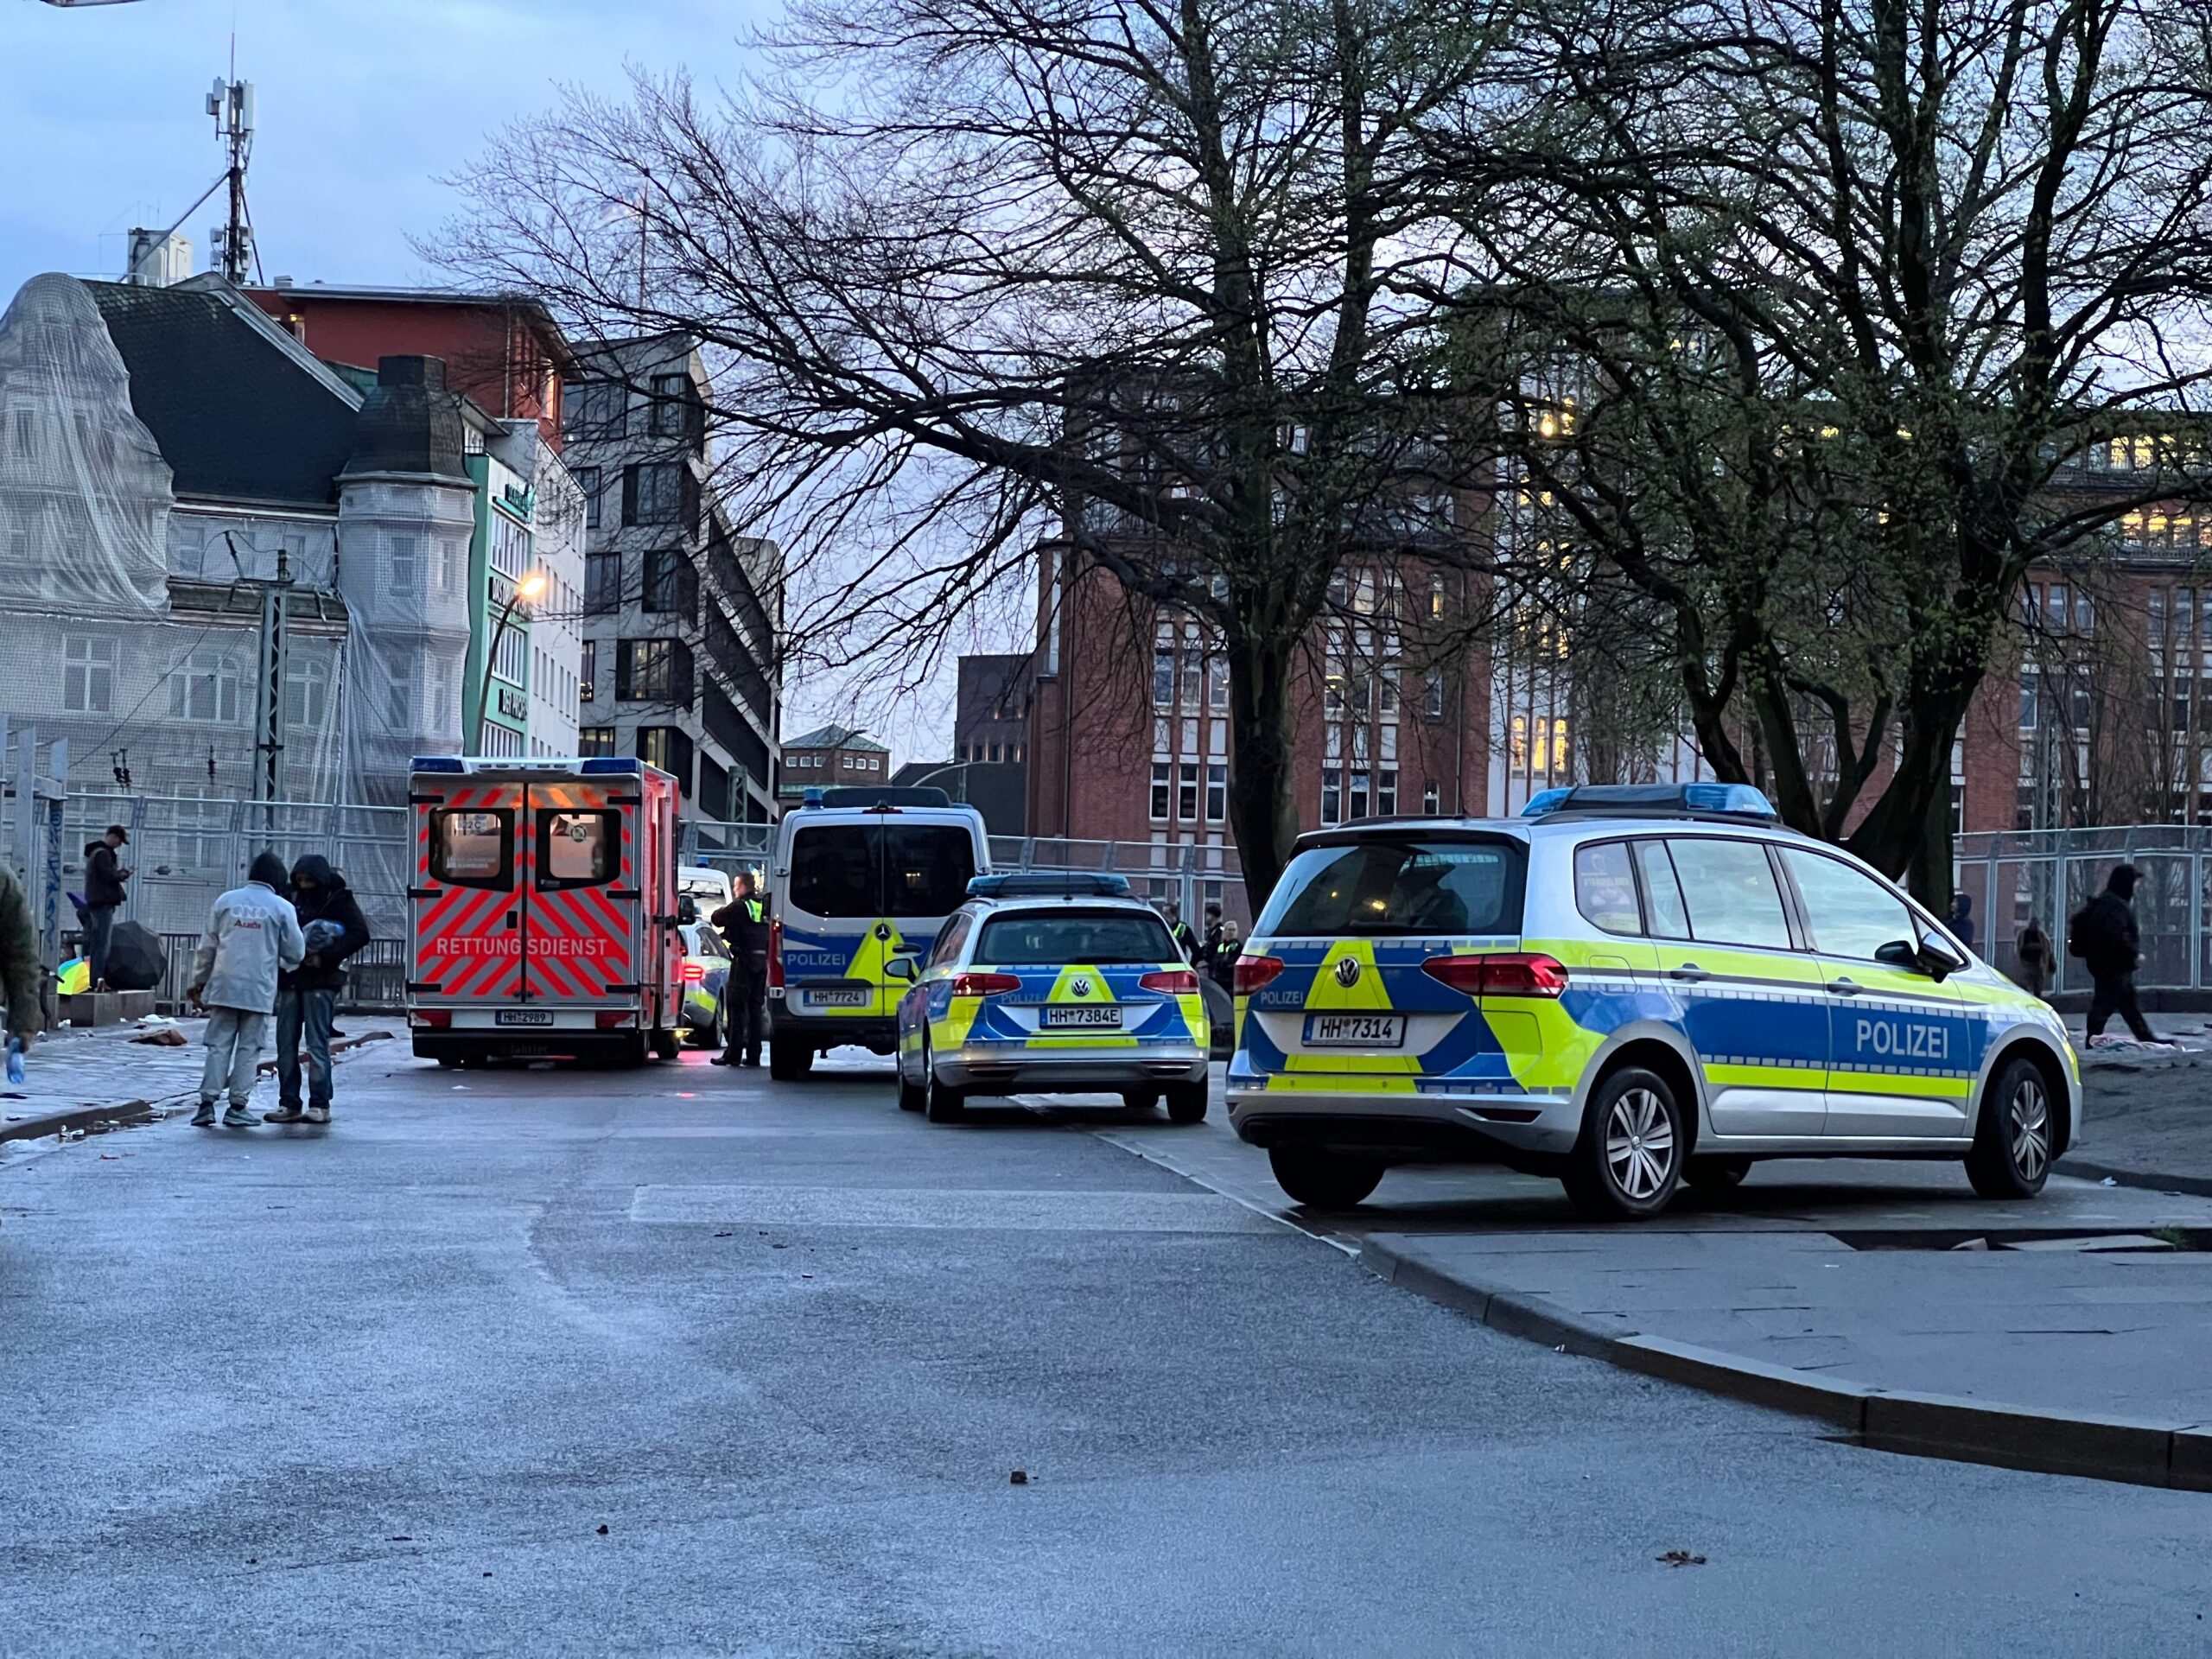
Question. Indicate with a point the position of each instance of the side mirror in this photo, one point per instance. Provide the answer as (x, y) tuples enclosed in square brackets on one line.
[(1898, 953), (1939, 957), (686, 909), (899, 967)]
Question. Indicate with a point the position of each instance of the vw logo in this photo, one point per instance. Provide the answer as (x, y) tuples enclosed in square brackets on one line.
[(1347, 971), (1079, 987)]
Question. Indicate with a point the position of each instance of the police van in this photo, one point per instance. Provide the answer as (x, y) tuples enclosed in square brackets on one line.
[(1626, 987), (862, 878)]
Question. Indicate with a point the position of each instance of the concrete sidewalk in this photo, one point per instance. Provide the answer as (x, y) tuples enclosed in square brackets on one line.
[(2147, 1115)]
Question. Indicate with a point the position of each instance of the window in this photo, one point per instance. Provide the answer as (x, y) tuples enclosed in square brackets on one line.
[(589, 481), (1159, 791), (1163, 678), (1732, 898), (653, 494), (588, 674), (2029, 683), (206, 687), (1218, 684), (1385, 792), (1432, 694), (509, 546), (401, 569), (1850, 912), (1397, 888), (874, 870), (596, 740), (597, 409), (307, 690), (1194, 675), (1333, 807), (1217, 793), (1430, 800), (947, 950), (1099, 938), (1662, 893), (473, 848), (674, 412), (1186, 792), (511, 663), (1355, 796), (88, 675), (668, 749), (672, 582), (578, 849), (602, 583), (654, 671), (1604, 887), (399, 701)]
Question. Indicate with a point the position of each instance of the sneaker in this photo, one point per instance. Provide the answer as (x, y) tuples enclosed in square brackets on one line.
[(721, 1059), (205, 1117), (318, 1113), (239, 1118), (284, 1115)]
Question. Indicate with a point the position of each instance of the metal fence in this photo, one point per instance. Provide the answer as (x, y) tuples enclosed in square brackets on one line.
[(2048, 875)]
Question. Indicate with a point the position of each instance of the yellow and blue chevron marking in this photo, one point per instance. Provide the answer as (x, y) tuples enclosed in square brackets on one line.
[(854, 957), (1014, 1018)]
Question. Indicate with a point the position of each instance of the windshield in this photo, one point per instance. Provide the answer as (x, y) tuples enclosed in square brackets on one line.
[(1094, 938), (886, 869), (1388, 887)]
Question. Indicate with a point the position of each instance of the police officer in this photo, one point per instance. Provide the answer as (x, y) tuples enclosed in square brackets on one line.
[(1180, 930), (743, 924)]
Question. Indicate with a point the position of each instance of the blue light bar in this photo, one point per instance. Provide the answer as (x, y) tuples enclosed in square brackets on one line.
[(627, 765), (438, 763), (813, 797), (1727, 800), (1050, 883), (1545, 800)]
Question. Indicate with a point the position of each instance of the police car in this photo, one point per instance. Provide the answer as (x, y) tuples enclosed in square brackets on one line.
[(1626, 987), (1056, 985)]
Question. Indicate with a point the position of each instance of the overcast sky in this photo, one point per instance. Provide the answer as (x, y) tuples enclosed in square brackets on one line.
[(364, 105)]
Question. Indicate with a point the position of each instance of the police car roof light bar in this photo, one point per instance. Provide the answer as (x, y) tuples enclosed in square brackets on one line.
[(1699, 800), (1050, 883)]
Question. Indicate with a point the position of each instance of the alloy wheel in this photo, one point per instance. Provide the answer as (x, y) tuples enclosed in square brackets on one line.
[(1639, 1144), (2028, 1127)]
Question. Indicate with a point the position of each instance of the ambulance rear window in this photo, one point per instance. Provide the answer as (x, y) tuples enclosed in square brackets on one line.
[(578, 849), (474, 847)]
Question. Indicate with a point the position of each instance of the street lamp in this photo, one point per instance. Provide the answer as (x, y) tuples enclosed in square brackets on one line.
[(528, 588)]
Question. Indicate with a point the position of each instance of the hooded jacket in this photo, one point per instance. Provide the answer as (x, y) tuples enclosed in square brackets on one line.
[(2103, 932), (103, 877), (327, 899), (252, 936)]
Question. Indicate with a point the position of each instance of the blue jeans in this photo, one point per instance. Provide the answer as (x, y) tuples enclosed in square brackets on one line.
[(100, 928), (307, 1013)]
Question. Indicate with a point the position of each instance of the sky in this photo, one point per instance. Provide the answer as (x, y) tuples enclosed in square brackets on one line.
[(363, 106)]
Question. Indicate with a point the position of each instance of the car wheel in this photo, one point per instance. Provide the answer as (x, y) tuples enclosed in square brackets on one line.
[(665, 1043), (2012, 1138), (789, 1059), (1716, 1174), (1324, 1180), (1187, 1103), (910, 1093), (1139, 1100), (1629, 1158), (940, 1103)]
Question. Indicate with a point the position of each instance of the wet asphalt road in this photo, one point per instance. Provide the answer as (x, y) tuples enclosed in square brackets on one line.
[(685, 1360)]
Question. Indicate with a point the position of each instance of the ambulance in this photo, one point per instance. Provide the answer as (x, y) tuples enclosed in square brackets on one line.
[(862, 878), (545, 910)]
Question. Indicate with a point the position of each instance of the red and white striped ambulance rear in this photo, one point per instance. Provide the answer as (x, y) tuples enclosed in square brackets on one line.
[(544, 908)]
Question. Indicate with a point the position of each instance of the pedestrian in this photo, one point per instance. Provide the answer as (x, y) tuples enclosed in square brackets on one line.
[(104, 880), (743, 924), (1962, 917), (1223, 968), (1186, 940), (23, 973), (254, 937), (2033, 947), (332, 927), (2103, 934), (1210, 941)]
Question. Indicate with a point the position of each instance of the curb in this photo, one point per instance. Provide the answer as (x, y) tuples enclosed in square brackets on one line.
[(2198, 1186), (2143, 1453), (131, 1113)]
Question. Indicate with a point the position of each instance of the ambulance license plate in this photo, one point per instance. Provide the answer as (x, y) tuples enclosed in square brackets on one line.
[(857, 997), (1082, 1018), (1355, 1031), (523, 1017)]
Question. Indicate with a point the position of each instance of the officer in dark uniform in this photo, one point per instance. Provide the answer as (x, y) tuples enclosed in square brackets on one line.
[(743, 924)]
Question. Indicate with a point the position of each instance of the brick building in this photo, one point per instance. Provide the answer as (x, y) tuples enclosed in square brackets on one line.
[(832, 757)]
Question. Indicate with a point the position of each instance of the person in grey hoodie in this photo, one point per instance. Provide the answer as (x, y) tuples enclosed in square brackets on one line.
[(253, 936)]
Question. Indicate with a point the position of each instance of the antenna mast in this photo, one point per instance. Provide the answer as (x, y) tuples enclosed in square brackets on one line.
[(231, 105)]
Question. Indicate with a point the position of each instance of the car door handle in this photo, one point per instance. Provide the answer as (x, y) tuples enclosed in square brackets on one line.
[(1688, 970), (1845, 986)]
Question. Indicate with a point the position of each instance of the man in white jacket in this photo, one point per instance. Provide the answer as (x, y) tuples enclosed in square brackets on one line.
[(252, 936)]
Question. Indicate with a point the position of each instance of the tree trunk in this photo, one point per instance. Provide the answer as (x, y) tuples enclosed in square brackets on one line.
[(1262, 774)]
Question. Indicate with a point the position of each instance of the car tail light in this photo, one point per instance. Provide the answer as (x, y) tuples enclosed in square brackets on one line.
[(616, 1019), (776, 956), (985, 984), (1252, 972), (1176, 982), (1511, 973), (694, 972), (432, 1018)]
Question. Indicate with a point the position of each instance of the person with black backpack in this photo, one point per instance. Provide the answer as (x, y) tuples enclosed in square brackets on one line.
[(2103, 935)]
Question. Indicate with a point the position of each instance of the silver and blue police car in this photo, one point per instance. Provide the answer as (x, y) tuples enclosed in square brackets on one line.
[(1053, 984), (1626, 987)]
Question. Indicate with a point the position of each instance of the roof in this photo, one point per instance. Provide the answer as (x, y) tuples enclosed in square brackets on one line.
[(834, 736), (242, 411), (528, 304)]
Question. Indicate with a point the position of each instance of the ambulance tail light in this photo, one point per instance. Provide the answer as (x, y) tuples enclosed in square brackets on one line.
[(1175, 982), (1511, 973), (431, 1019), (775, 955), (985, 984), (694, 972), (616, 1019), (1252, 972)]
